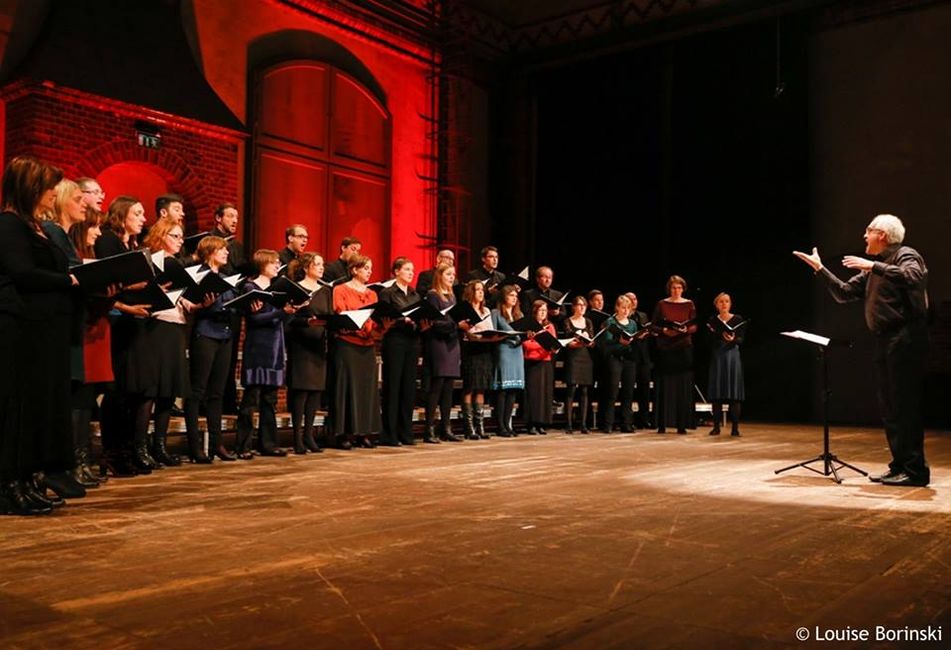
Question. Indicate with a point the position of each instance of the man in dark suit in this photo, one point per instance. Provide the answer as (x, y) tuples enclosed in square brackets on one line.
[(489, 274), (296, 238), (424, 282), (542, 289), (349, 246), (226, 227)]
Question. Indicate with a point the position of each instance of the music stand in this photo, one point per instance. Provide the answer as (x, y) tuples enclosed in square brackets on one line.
[(827, 458)]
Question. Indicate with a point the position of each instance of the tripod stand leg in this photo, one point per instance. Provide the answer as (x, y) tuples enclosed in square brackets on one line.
[(804, 463)]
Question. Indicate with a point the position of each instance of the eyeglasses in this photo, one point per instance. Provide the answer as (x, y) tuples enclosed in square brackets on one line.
[(301, 236), (175, 236), (98, 192), (871, 230)]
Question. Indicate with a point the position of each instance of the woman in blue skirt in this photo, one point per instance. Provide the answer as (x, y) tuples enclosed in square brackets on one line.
[(725, 386)]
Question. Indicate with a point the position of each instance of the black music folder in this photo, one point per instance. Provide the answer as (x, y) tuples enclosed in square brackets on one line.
[(95, 276)]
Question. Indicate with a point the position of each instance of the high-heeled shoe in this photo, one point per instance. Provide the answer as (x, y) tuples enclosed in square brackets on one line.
[(365, 442), (36, 492), (201, 459), (224, 454)]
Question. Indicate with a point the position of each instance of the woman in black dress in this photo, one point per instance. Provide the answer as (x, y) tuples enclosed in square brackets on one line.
[(35, 296), (443, 353), (579, 365), (400, 353), (125, 402), (307, 350), (675, 323), (725, 385)]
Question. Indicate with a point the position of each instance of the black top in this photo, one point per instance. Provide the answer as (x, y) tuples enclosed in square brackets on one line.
[(237, 262), (395, 296), (894, 290), (37, 269), (336, 270), (424, 281)]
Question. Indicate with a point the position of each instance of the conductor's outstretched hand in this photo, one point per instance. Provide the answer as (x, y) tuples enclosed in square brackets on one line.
[(812, 260)]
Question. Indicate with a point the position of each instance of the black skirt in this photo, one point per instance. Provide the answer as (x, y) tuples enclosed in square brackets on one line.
[(579, 367), (539, 391), (675, 402), (356, 398), (156, 364), (478, 368)]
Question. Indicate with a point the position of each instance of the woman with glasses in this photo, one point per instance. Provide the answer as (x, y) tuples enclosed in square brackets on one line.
[(166, 377)]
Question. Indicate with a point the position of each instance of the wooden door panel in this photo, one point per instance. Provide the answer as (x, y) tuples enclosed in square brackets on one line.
[(358, 208), (289, 190)]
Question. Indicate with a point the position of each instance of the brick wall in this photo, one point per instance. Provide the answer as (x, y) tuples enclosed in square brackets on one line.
[(85, 134)]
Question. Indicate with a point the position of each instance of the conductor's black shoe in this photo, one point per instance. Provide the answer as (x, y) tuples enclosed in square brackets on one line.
[(881, 477), (903, 480)]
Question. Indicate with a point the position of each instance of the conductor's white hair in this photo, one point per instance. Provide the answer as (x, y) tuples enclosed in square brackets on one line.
[(891, 225)]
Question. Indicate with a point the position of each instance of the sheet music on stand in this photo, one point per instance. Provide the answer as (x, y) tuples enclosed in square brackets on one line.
[(808, 336)]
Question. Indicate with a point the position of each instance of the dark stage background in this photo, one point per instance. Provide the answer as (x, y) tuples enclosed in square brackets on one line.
[(682, 158)]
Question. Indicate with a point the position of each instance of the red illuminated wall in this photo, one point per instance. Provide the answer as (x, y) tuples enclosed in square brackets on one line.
[(367, 177), (93, 136), (320, 158)]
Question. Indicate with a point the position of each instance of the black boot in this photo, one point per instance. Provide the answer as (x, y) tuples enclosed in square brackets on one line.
[(735, 419), (142, 460), (14, 501), (63, 484), (717, 413), (429, 434), (568, 413), (81, 473), (447, 433), (160, 451), (118, 462), (36, 492), (84, 457), (196, 453), (478, 418), (299, 447), (469, 429)]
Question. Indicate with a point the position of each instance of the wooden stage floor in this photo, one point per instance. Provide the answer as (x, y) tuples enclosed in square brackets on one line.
[(596, 541)]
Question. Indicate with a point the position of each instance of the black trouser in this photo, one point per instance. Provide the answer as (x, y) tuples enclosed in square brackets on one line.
[(734, 407), (619, 379), (208, 363), (304, 405), (642, 394), (230, 394), (399, 387), (263, 398), (900, 364)]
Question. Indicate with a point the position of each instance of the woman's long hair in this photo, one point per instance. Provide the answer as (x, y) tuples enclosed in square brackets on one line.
[(78, 232), (24, 182)]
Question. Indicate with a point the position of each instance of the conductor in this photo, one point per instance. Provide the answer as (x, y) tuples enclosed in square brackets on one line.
[(893, 284)]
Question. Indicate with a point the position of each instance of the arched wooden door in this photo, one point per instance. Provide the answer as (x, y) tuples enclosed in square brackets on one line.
[(320, 156)]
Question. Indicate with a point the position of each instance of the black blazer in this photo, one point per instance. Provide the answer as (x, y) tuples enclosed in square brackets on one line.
[(37, 268)]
